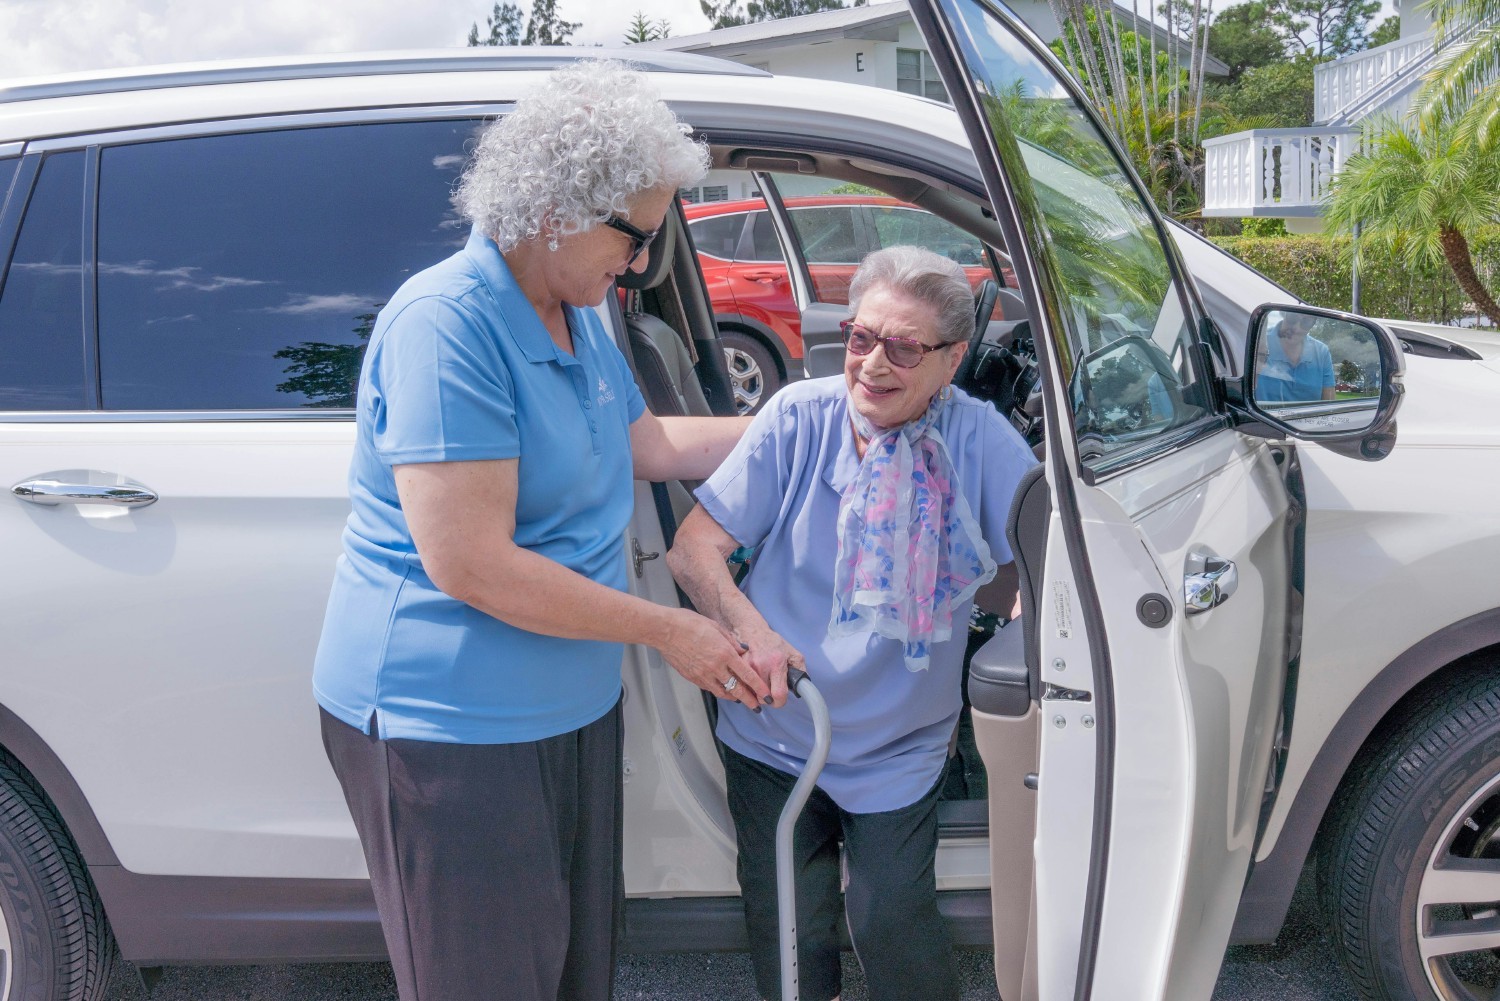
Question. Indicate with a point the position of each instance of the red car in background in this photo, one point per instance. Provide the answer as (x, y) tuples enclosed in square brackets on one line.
[(752, 294)]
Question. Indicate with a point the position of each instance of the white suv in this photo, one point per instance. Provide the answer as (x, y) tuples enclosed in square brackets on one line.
[(1235, 648)]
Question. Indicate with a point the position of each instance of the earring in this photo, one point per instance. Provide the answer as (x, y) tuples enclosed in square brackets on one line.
[(946, 393)]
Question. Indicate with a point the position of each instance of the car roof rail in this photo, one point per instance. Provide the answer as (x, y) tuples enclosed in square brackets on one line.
[(538, 58)]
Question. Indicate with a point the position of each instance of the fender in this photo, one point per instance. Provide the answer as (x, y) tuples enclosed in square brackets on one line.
[(791, 368), (1268, 891), (37, 756)]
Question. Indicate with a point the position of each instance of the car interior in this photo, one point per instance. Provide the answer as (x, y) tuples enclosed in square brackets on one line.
[(681, 371)]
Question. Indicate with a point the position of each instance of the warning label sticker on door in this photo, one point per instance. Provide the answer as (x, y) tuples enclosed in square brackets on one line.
[(1062, 608)]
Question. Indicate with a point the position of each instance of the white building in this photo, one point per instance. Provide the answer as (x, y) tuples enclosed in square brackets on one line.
[(878, 45), (1286, 173)]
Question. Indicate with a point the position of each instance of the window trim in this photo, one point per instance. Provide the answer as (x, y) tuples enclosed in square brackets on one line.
[(271, 123)]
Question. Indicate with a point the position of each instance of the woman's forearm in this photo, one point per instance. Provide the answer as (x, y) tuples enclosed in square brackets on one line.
[(697, 561)]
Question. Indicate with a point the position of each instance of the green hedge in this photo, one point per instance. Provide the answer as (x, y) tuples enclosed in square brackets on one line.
[(1311, 267)]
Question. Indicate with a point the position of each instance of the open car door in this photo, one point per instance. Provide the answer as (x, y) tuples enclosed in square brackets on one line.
[(1161, 597)]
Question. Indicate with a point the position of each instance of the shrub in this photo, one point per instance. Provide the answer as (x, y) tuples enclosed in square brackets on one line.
[(1310, 266)]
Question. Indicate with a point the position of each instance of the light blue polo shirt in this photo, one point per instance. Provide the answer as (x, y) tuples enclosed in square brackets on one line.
[(779, 490), (459, 367), (1282, 382)]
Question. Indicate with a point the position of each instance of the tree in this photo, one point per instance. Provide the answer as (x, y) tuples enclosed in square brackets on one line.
[(1338, 27), (504, 24), (643, 29), (543, 27), (1386, 31), (728, 13), (1280, 94), (1245, 36), (1464, 83), (1422, 191)]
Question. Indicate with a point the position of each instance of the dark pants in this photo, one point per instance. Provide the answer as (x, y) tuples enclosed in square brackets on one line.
[(496, 867), (899, 938)]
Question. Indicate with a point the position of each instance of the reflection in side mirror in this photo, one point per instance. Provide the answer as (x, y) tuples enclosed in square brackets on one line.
[(1317, 373)]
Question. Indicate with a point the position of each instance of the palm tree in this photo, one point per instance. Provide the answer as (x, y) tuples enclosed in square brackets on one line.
[(1421, 190), (1466, 80)]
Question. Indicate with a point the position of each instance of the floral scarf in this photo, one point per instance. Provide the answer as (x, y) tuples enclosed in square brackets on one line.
[(910, 551)]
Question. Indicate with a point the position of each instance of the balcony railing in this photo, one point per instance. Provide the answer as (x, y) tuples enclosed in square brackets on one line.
[(1343, 82), (1282, 173)]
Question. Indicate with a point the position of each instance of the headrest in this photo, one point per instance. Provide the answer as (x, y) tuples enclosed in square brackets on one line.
[(658, 257)]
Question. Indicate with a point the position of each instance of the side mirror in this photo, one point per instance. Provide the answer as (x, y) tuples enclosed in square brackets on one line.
[(1323, 376)]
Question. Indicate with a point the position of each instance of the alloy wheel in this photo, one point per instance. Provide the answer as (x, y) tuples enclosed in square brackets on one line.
[(1458, 904)]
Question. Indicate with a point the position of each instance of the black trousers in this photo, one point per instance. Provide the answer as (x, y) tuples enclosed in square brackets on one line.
[(496, 867), (900, 940)]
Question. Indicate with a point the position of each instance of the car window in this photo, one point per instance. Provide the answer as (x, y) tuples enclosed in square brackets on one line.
[(764, 246), (827, 234), (1127, 337), (718, 236), (41, 306), (244, 272), (894, 226)]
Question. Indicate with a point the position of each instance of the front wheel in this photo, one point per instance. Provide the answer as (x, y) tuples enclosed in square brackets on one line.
[(55, 944), (1410, 878), (752, 371)]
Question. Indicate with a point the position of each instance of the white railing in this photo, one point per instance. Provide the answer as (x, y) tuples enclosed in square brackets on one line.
[(1273, 172), (1341, 83)]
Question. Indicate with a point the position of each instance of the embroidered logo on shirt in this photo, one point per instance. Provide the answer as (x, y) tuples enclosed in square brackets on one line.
[(606, 395)]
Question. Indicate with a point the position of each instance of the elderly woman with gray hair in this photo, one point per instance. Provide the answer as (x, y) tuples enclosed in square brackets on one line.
[(469, 669), (876, 505)]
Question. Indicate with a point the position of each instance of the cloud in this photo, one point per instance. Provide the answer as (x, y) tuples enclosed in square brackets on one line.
[(346, 304), (67, 36), (172, 279)]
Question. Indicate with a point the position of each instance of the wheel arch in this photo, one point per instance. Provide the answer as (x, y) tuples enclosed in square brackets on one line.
[(62, 790), (1454, 649), (790, 370)]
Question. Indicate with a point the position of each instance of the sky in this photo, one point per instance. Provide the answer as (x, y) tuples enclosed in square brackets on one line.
[(39, 37)]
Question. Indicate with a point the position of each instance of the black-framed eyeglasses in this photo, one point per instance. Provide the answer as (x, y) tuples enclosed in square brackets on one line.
[(639, 238), (902, 352)]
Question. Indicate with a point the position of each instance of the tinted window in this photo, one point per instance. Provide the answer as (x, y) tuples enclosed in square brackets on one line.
[(718, 235), (41, 308), (763, 243), (244, 272), (827, 235)]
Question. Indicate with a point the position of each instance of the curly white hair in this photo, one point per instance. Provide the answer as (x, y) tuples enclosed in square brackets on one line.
[(574, 151)]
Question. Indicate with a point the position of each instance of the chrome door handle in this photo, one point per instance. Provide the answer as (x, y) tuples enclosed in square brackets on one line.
[(1209, 583), (51, 493)]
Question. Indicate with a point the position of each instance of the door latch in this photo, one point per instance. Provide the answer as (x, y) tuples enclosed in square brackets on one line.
[(639, 556), (1208, 583)]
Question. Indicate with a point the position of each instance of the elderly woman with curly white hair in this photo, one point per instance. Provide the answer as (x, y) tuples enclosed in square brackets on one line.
[(469, 669)]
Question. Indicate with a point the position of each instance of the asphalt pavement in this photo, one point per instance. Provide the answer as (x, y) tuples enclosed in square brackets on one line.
[(1301, 966)]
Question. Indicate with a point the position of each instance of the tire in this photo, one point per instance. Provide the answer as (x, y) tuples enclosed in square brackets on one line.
[(1415, 840), (753, 373), (57, 945)]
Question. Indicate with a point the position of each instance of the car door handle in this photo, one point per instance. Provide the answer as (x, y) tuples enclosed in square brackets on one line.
[(51, 493), (1209, 583), (765, 277)]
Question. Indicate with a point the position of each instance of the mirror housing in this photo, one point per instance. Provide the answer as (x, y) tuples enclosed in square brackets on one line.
[(1321, 376)]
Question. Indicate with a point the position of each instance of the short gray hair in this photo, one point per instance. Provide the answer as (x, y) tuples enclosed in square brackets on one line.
[(574, 152), (924, 276)]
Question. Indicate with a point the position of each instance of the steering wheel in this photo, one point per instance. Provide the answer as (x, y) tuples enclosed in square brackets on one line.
[(984, 308)]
